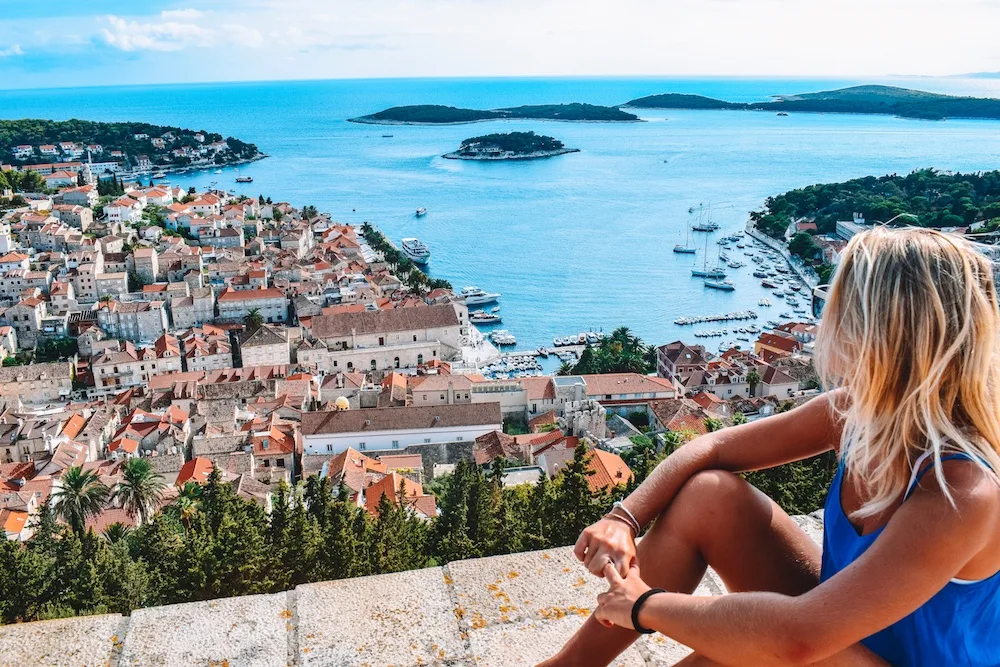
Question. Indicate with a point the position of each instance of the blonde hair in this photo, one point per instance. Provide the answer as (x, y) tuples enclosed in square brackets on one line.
[(911, 330)]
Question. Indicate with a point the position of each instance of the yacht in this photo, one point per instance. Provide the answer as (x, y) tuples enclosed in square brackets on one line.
[(708, 273), (244, 179), (473, 296), (481, 317), (684, 249), (421, 211), (159, 174), (416, 250), (217, 171), (724, 285), (705, 227)]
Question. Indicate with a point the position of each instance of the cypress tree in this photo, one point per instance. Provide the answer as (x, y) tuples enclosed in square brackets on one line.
[(576, 503)]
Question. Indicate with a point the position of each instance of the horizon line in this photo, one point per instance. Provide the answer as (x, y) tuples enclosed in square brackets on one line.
[(776, 77)]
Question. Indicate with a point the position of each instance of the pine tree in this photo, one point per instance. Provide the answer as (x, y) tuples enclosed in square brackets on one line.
[(450, 534), (576, 504), (508, 524), (539, 515)]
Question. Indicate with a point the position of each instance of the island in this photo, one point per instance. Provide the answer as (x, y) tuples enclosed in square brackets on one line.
[(434, 114), (128, 147), (509, 146), (887, 100)]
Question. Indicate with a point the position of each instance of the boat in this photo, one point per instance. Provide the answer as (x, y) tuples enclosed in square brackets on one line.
[(764, 302), (480, 317), (474, 296), (759, 274), (768, 284), (421, 212), (495, 310), (686, 249), (159, 174), (244, 179), (387, 136), (708, 273), (557, 341), (217, 171), (542, 352), (705, 227), (416, 250), (782, 113), (724, 285)]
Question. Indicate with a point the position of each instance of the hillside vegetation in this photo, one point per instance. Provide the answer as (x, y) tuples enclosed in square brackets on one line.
[(437, 114), (857, 99)]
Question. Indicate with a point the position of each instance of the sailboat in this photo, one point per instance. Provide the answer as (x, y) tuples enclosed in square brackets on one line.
[(704, 271), (686, 249)]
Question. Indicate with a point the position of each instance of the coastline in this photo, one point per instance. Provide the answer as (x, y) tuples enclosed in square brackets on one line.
[(200, 167), (537, 155)]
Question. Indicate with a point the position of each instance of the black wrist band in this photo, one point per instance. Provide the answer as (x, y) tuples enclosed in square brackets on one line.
[(638, 605)]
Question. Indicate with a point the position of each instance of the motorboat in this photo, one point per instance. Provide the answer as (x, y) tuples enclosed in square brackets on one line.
[(481, 317), (244, 179), (724, 285), (473, 296), (416, 250), (421, 212)]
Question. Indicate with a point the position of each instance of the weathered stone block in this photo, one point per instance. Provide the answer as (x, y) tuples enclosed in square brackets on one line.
[(71, 642), (403, 619), (249, 631)]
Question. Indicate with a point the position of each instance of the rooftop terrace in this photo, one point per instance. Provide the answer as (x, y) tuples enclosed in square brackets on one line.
[(500, 611)]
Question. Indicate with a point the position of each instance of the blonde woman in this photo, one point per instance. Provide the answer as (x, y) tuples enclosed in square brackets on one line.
[(908, 574)]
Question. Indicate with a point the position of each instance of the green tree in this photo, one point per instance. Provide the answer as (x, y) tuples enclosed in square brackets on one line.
[(80, 495), (577, 504), (253, 320), (753, 379), (140, 489)]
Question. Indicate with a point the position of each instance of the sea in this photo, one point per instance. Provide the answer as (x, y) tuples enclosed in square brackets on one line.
[(578, 242)]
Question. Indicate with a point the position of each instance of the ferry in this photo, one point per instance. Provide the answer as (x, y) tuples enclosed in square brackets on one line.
[(481, 317), (421, 212), (473, 296), (724, 285), (416, 250), (244, 179)]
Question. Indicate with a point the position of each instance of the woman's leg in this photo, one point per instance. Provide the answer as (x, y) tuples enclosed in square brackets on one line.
[(716, 519)]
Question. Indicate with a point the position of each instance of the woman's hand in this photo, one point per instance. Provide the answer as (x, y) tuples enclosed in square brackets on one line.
[(607, 541), (615, 606)]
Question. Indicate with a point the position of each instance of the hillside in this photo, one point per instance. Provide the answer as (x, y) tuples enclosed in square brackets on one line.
[(886, 100), (165, 146), (433, 114)]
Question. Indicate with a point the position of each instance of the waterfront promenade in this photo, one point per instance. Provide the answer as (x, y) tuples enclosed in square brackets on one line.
[(806, 275)]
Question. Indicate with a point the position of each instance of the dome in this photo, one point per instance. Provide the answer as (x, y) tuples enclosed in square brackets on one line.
[(342, 403)]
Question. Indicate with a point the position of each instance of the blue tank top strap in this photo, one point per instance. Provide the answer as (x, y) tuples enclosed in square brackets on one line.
[(919, 471)]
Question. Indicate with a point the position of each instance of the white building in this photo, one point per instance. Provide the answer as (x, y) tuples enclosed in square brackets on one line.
[(397, 428)]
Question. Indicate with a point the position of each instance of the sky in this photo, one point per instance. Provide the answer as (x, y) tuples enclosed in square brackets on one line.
[(108, 42)]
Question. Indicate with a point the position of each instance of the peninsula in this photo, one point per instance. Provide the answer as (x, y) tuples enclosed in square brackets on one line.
[(119, 147), (509, 146), (887, 100), (434, 114)]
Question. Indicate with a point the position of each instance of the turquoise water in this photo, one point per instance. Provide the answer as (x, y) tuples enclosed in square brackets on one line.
[(574, 242)]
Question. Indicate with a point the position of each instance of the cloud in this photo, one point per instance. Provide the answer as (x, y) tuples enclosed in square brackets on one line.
[(166, 33), (12, 50)]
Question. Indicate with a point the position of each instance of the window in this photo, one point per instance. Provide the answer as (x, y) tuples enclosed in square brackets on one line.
[(607, 397), (350, 365), (381, 340), (459, 438), (361, 445), (395, 362), (427, 441), (434, 353), (534, 407), (267, 464), (395, 444), (420, 360), (263, 443), (414, 338), (374, 365), (442, 397), (329, 447), (281, 463), (335, 363), (425, 397)]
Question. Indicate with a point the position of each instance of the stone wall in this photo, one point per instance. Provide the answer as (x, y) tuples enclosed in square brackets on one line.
[(503, 611)]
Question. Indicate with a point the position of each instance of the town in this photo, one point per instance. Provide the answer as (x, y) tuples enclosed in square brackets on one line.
[(201, 331)]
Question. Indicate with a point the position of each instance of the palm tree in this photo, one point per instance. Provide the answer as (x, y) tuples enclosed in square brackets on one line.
[(80, 495), (140, 489), (253, 320), (565, 368), (117, 532), (187, 509), (753, 379)]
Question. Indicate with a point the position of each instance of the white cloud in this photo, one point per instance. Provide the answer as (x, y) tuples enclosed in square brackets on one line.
[(181, 14), (164, 33), (12, 50)]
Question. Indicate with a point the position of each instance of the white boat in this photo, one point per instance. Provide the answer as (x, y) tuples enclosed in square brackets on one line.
[(708, 273), (244, 179), (416, 250), (159, 174), (217, 171), (480, 317), (764, 302), (557, 341), (421, 211), (686, 248), (473, 296), (724, 285)]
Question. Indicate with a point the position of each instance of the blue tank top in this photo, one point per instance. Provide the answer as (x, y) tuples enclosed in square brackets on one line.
[(960, 625)]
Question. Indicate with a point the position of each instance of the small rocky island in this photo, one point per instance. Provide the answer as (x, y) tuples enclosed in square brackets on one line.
[(509, 146)]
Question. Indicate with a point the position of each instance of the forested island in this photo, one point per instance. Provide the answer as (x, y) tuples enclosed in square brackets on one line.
[(886, 100), (135, 146), (434, 114), (509, 146)]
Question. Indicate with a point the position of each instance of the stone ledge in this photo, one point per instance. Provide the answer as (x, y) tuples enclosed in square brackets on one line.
[(504, 610)]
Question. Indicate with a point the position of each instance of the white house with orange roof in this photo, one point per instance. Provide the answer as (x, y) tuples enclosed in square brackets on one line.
[(58, 179), (272, 304), (124, 209), (14, 260)]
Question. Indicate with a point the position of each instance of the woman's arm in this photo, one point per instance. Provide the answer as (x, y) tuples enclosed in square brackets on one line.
[(808, 430), (925, 544)]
